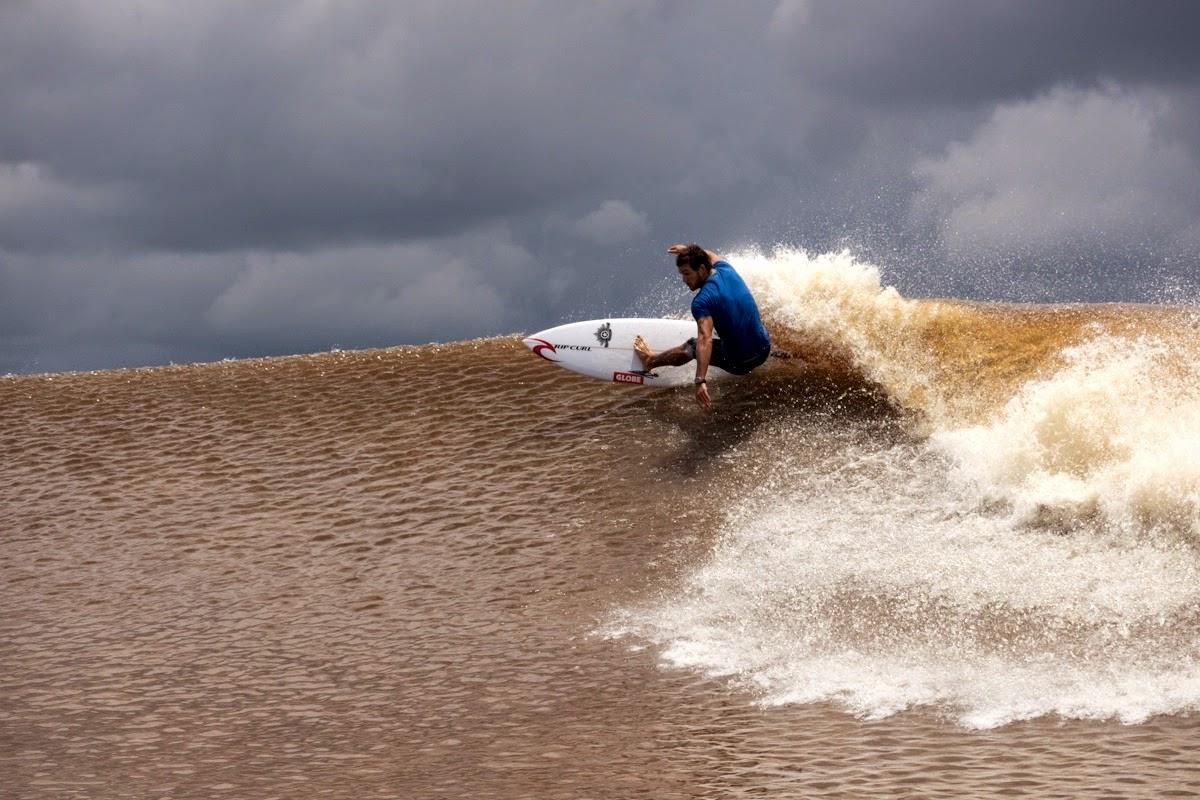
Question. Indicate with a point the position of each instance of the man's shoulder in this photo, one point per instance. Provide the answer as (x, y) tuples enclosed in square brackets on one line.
[(725, 272), (727, 279), (722, 268)]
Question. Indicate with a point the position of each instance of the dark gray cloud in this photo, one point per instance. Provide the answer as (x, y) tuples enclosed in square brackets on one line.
[(1070, 174), (942, 52), (201, 180), (278, 124)]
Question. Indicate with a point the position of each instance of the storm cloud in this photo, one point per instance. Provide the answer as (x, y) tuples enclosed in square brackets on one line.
[(183, 181)]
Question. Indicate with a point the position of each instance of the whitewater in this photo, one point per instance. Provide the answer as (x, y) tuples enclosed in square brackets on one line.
[(1027, 546)]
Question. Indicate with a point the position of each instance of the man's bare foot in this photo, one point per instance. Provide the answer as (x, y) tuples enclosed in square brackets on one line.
[(643, 351)]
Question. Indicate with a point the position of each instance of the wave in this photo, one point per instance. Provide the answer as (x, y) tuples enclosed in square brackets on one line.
[(1026, 546), (990, 510)]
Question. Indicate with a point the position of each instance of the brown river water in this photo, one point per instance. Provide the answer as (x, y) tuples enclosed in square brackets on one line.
[(948, 551)]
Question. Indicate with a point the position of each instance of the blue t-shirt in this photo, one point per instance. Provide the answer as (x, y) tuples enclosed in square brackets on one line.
[(725, 298)]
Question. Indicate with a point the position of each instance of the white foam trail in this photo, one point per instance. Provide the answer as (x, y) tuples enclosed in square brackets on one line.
[(874, 588)]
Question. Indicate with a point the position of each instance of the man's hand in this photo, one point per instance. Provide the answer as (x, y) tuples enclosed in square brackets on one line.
[(702, 398)]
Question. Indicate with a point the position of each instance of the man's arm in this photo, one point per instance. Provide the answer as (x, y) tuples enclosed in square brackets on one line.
[(704, 339)]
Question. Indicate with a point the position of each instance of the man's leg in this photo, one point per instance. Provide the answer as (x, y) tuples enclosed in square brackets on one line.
[(675, 357)]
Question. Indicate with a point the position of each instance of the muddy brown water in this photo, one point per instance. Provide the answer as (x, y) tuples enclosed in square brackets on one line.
[(388, 573)]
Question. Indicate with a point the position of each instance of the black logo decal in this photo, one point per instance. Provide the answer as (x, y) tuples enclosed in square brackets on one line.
[(604, 334)]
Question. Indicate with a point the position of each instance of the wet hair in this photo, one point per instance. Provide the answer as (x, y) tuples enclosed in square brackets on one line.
[(693, 256)]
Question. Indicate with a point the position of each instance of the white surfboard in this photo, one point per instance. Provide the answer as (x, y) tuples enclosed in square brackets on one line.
[(603, 349)]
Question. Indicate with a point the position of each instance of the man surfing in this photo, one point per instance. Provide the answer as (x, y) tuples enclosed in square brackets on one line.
[(722, 303)]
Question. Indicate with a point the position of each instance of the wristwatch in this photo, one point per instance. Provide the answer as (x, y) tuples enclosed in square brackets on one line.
[(699, 381)]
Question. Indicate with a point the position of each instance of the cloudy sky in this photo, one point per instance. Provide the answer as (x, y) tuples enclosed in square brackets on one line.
[(186, 181)]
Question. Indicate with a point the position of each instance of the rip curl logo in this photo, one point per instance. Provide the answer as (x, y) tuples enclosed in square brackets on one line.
[(604, 334), (541, 346), (629, 377)]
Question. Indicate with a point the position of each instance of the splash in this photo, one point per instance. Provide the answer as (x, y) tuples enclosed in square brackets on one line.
[(1061, 413), (1113, 435), (834, 312)]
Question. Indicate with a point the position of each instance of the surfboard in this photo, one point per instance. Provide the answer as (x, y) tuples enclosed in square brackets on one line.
[(603, 349)]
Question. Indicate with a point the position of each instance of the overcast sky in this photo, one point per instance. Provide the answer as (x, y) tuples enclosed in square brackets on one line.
[(195, 180)]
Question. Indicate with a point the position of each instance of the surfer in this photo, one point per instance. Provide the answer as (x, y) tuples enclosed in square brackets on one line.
[(722, 303)]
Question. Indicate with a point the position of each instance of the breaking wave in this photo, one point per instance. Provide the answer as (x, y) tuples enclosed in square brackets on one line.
[(1027, 545)]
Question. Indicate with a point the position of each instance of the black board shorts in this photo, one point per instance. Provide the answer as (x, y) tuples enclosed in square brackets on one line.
[(723, 361)]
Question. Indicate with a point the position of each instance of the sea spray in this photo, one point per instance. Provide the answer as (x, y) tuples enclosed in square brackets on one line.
[(833, 311)]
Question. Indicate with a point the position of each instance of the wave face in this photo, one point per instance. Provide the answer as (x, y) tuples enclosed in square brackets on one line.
[(1022, 541)]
